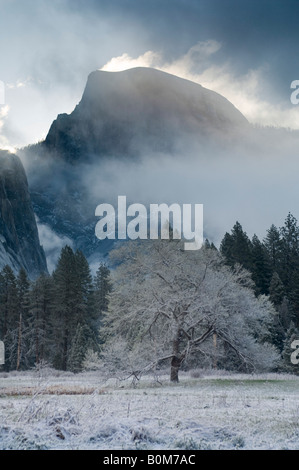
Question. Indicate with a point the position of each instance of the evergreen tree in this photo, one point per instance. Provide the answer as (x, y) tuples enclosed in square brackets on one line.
[(272, 244), (9, 300), (261, 270), (3, 316), (289, 252), (208, 244), (226, 249), (41, 311), (23, 287), (73, 304), (236, 247), (81, 343), (89, 321), (276, 290), (84, 289), (9, 314), (66, 303)]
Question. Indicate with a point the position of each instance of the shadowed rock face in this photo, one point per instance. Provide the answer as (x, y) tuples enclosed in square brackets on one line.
[(19, 240), (122, 113), (123, 117)]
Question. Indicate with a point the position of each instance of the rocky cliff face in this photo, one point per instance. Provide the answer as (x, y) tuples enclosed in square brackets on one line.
[(125, 113), (19, 240)]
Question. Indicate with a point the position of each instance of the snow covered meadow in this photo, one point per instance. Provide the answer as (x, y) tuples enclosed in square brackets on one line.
[(206, 410)]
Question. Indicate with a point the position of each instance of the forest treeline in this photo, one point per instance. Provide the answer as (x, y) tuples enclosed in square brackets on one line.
[(274, 266), (56, 319)]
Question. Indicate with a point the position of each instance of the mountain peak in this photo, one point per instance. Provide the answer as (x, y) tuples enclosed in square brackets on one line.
[(127, 112)]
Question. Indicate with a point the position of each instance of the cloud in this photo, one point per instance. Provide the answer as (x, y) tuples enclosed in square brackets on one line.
[(123, 62), (254, 183), (52, 244), (4, 141)]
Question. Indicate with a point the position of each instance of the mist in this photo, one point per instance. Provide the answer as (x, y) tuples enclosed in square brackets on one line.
[(52, 244), (253, 182)]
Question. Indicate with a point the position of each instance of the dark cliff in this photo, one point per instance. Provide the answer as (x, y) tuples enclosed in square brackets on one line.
[(19, 240)]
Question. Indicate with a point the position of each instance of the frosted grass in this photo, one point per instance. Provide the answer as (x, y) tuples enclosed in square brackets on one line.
[(206, 410)]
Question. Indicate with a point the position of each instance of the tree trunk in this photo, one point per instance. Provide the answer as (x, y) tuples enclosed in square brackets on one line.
[(215, 350), (177, 358), (174, 369), (19, 342), (37, 341), (65, 349)]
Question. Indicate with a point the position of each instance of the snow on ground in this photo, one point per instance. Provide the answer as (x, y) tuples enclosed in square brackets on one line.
[(52, 410)]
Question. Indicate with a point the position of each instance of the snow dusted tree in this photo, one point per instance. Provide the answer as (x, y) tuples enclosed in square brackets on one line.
[(167, 302), (291, 336), (103, 288)]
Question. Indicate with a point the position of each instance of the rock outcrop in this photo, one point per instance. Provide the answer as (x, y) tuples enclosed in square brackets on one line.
[(19, 239)]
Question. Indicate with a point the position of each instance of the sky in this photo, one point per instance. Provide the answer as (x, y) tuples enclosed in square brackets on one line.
[(245, 50)]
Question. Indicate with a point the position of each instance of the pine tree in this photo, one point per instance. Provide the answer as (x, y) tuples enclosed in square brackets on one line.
[(88, 322), (23, 286), (272, 244), (236, 247), (276, 290), (226, 249), (261, 270), (3, 316), (41, 311), (84, 289), (289, 251), (73, 304), (9, 314), (208, 244), (66, 303), (81, 343)]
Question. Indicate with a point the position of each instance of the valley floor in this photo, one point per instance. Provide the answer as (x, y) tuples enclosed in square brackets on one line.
[(52, 410)]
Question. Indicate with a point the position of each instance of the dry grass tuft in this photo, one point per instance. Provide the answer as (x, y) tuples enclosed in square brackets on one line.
[(50, 390)]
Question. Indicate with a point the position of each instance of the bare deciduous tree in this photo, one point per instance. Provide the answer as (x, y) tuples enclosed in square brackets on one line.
[(166, 302)]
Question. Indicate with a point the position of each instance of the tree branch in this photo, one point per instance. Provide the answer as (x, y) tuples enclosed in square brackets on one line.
[(244, 357)]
